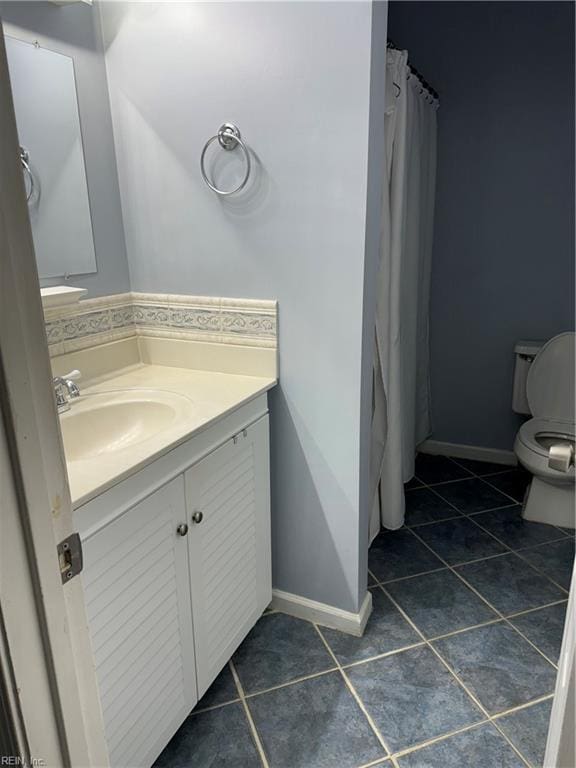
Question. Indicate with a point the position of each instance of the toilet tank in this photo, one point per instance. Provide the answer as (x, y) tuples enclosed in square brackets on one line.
[(524, 352)]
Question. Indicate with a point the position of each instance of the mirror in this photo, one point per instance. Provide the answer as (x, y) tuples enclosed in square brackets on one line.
[(52, 159)]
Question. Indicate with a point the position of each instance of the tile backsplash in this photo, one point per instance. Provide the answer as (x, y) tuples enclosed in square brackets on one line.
[(248, 322)]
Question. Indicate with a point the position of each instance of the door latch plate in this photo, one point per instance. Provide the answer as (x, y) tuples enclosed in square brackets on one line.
[(70, 557)]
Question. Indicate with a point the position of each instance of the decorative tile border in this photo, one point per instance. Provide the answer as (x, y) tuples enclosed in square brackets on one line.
[(247, 322)]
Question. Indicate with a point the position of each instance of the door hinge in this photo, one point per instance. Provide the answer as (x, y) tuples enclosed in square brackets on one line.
[(70, 557)]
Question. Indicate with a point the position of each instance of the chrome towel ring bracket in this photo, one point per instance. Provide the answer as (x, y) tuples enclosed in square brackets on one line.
[(229, 137)]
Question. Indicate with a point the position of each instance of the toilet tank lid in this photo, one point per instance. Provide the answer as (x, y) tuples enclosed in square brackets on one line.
[(550, 382)]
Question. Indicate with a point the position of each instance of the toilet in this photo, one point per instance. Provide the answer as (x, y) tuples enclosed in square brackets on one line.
[(544, 388)]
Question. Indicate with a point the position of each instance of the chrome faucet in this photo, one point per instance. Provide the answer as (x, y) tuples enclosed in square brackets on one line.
[(65, 389)]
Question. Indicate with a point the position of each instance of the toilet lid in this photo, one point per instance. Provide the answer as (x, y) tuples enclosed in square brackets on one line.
[(550, 382)]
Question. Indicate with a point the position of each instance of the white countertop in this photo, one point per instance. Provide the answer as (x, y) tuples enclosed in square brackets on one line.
[(208, 397)]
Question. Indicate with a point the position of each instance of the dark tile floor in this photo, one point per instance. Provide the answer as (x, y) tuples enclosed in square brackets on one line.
[(457, 665)]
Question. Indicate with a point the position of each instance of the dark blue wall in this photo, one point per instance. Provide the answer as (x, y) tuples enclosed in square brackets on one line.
[(503, 264)]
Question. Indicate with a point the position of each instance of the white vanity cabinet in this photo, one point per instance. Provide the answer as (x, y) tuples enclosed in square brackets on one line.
[(175, 575), (137, 595), (229, 549)]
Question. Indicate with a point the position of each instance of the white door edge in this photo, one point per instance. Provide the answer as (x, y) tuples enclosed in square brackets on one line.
[(45, 622), (560, 747)]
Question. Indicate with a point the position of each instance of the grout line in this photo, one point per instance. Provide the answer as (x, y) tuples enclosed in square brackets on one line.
[(501, 616), (541, 572), (465, 562), (468, 514), (450, 504), (480, 559), (516, 502), (391, 757), (543, 543), (509, 468), (443, 737), (508, 505), (509, 549), (539, 608), (505, 467), (496, 620), (486, 623), (291, 682), (385, 655), (445, 482), (560, 530), (432, 522), (457, 679), (504, 492), (517, 552), (199, 710), (251, 723), (378, 762), (492, 535), (375, 580), (493, 509), (520, 707), (511, 743), (499, 613), (404, 578), (459, 564), (354, 693), (519, 549), (509, 623)]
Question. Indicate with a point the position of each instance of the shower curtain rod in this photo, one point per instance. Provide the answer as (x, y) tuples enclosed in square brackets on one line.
[(392, 46)]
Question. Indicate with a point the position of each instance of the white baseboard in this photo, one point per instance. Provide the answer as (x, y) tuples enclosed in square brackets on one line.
[(322, 613), (459, 451)]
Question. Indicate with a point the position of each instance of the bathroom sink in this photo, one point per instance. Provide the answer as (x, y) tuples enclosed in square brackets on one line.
[(111, 422)]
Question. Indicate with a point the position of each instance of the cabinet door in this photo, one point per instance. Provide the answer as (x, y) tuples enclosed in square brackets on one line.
[(229, 549), (137, 594)]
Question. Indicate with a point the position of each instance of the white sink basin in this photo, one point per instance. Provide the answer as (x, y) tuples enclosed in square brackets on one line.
[(110, 422)]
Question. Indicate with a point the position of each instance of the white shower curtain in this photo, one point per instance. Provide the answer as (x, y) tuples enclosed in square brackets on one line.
[(401, 405)]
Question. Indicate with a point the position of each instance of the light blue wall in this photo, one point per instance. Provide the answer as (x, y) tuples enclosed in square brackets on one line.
[(296, 79), (74, 31), (376, 176), (503, 264)]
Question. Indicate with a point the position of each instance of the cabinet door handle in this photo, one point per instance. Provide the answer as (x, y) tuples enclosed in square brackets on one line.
[(197, 517), (182, 529)]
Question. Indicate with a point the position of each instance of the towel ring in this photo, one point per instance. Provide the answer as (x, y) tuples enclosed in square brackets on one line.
[(229, 137), (25, 162)]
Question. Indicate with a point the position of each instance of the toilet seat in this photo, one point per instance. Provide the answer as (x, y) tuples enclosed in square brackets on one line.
[(533, 427), (535, 457)]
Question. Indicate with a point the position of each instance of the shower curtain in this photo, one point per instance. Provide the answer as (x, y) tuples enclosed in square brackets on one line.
[(401, 391)]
